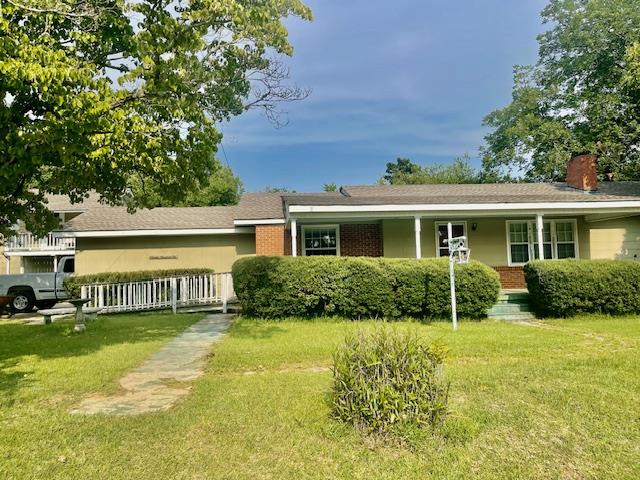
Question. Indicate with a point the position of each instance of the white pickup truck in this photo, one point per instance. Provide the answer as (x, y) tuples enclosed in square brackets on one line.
[(43, 290)]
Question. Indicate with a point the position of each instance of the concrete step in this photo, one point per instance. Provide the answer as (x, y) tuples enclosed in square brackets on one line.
[(519, 297), (509, 308), (514, 317), (512, 306)]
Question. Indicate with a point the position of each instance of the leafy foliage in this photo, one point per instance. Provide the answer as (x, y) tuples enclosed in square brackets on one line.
[(405, 172), (583, 95), (95, 92), (357, 287), (221, 187), (72, 284), (270, 189), (562, 288), (421, 288), (330, 187), (388, 380)]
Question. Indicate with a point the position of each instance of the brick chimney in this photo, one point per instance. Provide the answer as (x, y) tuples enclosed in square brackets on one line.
[(581, 172)]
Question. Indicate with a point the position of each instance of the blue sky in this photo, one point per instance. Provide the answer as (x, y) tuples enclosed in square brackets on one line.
[(409, 78)]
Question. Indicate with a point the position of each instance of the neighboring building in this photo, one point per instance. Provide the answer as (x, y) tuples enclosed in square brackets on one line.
[(504, 223)]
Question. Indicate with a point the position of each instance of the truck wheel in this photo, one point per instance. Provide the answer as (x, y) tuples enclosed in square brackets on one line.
[(23, 302)]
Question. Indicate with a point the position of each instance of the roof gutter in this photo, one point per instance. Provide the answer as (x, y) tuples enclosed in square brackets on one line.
[(471, 207), (263, 221), (158, 233)]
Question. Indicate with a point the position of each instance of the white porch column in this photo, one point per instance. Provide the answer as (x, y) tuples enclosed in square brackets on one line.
[(540, 235), (417, 228), (21, 264), (8, 260), (55, 264), (294, 238)]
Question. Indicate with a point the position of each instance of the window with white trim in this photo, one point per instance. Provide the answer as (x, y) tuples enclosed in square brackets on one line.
[(321, 240), (559, 239), (458, 229)]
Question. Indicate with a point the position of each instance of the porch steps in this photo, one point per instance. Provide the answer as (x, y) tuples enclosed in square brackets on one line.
[(512, 306)]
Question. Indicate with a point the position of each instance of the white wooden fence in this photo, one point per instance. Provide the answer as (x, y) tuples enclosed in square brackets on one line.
[(160, 293)]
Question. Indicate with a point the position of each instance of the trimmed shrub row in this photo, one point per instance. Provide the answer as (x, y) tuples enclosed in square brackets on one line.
[(357, 287), (72, 284), (562, 288)]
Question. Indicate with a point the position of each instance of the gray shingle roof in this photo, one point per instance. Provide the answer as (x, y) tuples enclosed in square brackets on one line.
[(472, 193), (260, 206), (105, 218)]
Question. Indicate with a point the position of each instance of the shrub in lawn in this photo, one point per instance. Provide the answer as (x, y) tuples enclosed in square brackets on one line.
[(561, 288), (72, 284), (358, 287), (388, 380)]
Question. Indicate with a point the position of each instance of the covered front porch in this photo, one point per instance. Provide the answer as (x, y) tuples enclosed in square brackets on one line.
[(505, 243)]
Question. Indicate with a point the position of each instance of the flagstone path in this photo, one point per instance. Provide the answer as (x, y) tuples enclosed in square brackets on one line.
[(162, 379)]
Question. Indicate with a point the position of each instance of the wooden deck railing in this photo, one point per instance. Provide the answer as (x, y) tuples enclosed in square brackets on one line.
[(27, 242)]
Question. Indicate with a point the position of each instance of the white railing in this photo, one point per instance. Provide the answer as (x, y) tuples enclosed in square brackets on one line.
[(27, 242), (161, 293)]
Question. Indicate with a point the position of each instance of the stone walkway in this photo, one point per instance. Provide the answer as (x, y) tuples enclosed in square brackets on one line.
[(161, 380)]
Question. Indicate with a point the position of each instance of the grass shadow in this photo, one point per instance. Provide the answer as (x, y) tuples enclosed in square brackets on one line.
[(11, 382), (255, 330), (58, 339)]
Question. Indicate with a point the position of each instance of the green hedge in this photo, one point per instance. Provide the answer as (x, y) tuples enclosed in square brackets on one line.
[(72, 284), (561, 288), (357, 287)]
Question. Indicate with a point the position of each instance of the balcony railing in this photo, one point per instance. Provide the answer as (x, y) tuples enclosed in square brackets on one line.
[(26, 242)]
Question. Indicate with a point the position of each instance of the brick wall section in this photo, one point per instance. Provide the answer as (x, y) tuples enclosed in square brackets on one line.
[(511, 277), (360, 240), (272, 240), (581, 172)]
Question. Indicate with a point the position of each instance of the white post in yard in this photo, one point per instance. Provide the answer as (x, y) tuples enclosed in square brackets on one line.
[(225, 291), (174, 294), (417, 228), (294, 238), (540, 234), (452, 279)]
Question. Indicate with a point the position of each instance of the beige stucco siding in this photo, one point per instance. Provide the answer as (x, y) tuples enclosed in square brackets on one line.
[(14, 263), (398, 239), (615, 239), (218, 252), (487, 242), (584, 239)]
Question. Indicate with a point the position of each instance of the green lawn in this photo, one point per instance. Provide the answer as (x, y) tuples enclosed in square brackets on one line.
[(556, 400)]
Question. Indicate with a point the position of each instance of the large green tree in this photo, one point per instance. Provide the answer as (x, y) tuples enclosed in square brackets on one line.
[(405, 172), (95, 94), (582, 96), (220, 187)]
